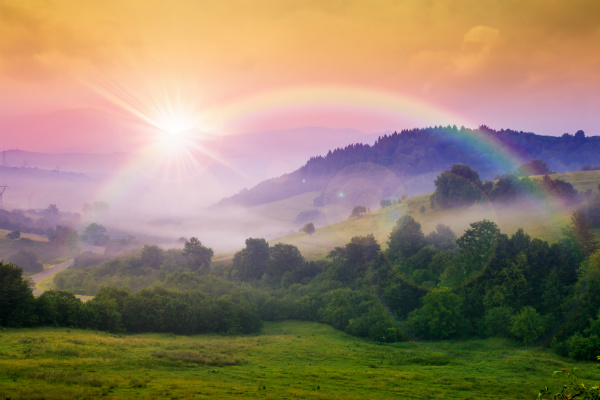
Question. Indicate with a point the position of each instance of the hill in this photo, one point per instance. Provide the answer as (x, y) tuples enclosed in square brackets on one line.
[(389, 167), (542, 220)]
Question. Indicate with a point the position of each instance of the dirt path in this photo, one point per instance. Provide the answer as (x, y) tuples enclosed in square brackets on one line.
[(49, 272), (54, 270)]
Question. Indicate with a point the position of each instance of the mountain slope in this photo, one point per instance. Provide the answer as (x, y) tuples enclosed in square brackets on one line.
[(391, 164)]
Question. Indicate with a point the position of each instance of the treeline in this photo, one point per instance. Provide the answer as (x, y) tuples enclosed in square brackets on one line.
[(462, 186), (135, 270), (228, 310), (44, 221), (435, 286)]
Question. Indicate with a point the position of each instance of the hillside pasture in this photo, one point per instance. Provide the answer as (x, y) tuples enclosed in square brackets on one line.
[(287, 360)]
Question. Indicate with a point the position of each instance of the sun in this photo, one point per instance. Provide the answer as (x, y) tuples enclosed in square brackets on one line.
[(176, 133)]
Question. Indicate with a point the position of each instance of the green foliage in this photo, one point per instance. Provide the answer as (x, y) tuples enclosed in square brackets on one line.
[(406, 238), (251, 262), (198, 256), (572, 388), (58, 308), (457, 187), (583, 348), (442, 238), (440, 317), (16, 298), (476, 249), (283, 258), (88, 259), (153, 256), (582, 233), (527, 325), (498, 321)]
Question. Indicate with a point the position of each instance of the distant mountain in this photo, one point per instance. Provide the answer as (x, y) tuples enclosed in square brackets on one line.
[(407, 162), (74, 162)]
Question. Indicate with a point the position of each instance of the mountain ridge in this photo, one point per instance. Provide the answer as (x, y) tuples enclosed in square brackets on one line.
[(401, 157)]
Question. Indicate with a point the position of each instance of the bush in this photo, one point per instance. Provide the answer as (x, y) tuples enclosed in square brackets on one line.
[(497, 321), (527, 325), (582, 348), (13, 235), (440, 317), (309, 228)]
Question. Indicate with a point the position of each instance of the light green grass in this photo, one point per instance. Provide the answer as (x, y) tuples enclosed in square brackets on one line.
[(581, 181), (544, 219), (45, 284), (288, 360)]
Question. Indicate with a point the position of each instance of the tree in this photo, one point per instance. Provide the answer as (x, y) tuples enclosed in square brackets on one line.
[(27, 260), (283, 258), (251, 262), (527, 325), (476, 246), (64, 237), (385, 203), (198, 256), (309, 228), (582, 232), (58, 308), (153, 256), (16, 297), (405, 239), (358, 211), (535, 167), (440, 317), (95, 234), (52, 215), (457, 187), (443, 238)]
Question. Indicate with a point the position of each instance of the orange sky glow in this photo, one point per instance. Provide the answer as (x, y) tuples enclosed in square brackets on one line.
[(235, 66)]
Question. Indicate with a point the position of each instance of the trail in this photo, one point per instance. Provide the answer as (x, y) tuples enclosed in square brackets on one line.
[(54, 270)]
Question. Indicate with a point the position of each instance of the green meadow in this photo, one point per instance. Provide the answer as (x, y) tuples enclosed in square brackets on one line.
[(287, 360)]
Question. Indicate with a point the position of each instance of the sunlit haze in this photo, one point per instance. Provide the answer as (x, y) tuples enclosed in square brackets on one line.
[(207, 98)]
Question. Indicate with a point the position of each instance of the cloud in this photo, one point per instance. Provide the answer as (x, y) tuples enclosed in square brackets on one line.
[(39, 47), (477, 45)]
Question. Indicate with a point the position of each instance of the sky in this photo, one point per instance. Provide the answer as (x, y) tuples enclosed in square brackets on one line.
[(217, 68)]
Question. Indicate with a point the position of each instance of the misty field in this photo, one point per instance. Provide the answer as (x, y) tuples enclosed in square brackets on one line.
[(287, 360)]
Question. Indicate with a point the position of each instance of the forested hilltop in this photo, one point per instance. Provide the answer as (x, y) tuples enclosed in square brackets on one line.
[(419, 151)]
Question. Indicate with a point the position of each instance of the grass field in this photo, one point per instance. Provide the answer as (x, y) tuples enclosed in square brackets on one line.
[(287, 360)]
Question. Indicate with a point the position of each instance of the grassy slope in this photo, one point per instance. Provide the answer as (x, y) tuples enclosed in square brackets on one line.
[(543, 220), (288, 360)]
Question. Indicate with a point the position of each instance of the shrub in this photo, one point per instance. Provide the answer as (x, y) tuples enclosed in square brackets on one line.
[(497, 321), (582, 348), (527, 325), (13, 235)]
